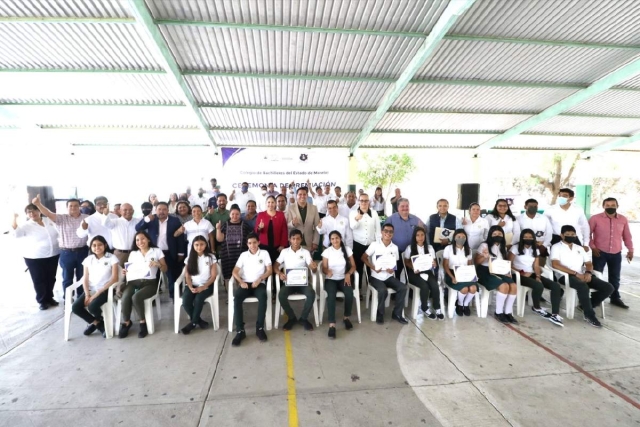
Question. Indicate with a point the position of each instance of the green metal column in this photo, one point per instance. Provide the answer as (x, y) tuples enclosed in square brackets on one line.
[(583, 198)]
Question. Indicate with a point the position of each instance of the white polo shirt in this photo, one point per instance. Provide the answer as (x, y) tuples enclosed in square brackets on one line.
[(525, 261), (193, 229), (204, 269), (153, 254), (494, 252), (367, 230), (457, 259), (253, 266), (36, 241), (572, 258), (99, 270), (345, 211), (321, 203), (378, 248), (476, 231), (241, 200), (336, 262), (294, 259), (340, 224), (539, 224), (407, 252), (508, 222), (572, 216)]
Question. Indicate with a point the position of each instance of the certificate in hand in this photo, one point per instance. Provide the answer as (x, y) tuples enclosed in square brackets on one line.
[(422, 262), (442, 233), (296, 276), (386, 262), (138, 270), (466, 273), (499, 266)]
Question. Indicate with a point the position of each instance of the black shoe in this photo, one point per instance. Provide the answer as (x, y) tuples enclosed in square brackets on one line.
[(307, 326), (459, 310), (100, 327), (91, 328), (203, 324), (238, 338), (399, 319), (500, 317), (188, 328), (143, 330), (43, 306), (347, 324), (511, 319), (124, 330), (428, 314), (380, 319), (619, 303), (467, 310), (262, 336), (53, 302), (593, 321), (332, 333), (440, 316), (289, 325)]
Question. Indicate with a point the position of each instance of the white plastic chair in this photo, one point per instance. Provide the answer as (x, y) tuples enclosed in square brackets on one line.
[(453, 294), (521, 295), (212, 301), (107, 308), (148, 308), (417, 302), (296, 297), (269, 315), (373, 293), (324, 295), (571, 295)]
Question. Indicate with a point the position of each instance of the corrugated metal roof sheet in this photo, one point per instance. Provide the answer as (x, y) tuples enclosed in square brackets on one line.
[(283, 139), (537, 142), (278, 92), (98, 88), (64, 8), (380, 15), (75, 46), (479, 60), (588, 125), (383, 140), (448, 121), (281, 52), (479, 99), (611, 102), (243, 118), (633, 83), (599, 21)]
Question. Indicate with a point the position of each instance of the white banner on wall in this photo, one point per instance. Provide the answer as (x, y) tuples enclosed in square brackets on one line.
[(260, 166)]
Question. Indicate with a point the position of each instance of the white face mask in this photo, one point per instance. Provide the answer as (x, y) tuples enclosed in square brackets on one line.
[(562, 201), (264, 192)]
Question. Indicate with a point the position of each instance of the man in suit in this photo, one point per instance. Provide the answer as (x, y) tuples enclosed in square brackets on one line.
[(304, 216), (161, 227)]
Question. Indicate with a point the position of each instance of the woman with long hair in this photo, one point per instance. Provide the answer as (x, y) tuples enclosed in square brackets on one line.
[(377, 203), (459, 254), (183, 212), (173, 203), (426, 279), (271, 228), (232, 238), (501, 215), (199, 275), (153, 199)]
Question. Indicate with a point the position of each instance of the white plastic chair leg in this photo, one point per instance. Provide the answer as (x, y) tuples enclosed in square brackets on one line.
[(417, 302), (374, 302), (107, 315), (356, 296), (453, 296), (148, 315)]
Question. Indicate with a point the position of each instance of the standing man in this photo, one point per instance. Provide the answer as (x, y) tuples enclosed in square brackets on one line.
[(242, 198), (73, 249), (394, 201), (219, 214), (565, 212), (123, 231), (349, 205), (281, 203), (271, 190), (161, 227), (365, 224), (442, 219), (338, 196), (335, 221), (304, 217), (213, 197), (608, 230), (215, 189), (93, 225), (538, 223), (261, 204), (319, 200), (116, 210), (403, 224), (249, 217), (200, 200)]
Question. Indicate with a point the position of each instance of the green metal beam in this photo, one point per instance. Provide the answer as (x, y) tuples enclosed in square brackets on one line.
[(611, 145), (621, 74), (145, 21), (454, 9), (63, 20)]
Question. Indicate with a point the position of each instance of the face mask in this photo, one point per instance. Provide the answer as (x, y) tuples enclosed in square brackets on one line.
[(264, 192), (87, 211), (532, 210), (610, 211), (496, 239), (461, 241), (244, 188), (570, 239), (528, 242), (562, 201), (146, 212)]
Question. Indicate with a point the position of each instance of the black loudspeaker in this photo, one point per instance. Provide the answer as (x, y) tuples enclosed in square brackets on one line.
[(46, 196), (467, 194)]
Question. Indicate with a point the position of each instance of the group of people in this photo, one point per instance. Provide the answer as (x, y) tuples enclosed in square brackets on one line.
[(256, 239)]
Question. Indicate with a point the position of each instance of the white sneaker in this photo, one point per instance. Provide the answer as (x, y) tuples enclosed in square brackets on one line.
[(541, 311), (555, 319)]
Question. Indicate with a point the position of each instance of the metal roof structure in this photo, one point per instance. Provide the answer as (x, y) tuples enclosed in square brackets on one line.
[(475, 74)]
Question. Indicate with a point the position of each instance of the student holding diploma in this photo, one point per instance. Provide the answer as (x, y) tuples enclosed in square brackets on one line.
[(455, 256), (490, 262), (419, 258)]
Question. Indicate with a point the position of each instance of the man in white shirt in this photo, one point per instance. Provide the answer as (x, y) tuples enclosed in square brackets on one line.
[(349, 204), (365, 225), (200, 200), (271, 190), (381, 279), (567, 213), (569, 257), (319, 199), (540, 225), (93, 225), (337, 196), (213, 192), (243, 197), (123, 231), (335, 221), (261, 203)]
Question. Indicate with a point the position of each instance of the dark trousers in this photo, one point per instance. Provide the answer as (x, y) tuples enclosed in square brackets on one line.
[(43, 274), (614, 265), (174, 269), (93, 311), (358, 251), (537, 288), (332, 287), (193, 303), (603, 290), (381, 287), (283, 297), (399, 267), (240, 294), (70, 263), (427, 288), (134, 294)]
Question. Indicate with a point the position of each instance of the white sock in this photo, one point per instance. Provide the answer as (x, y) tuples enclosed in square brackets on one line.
[(509, 307), (461, 298), (500, 298), (468, 299), (438, 311)]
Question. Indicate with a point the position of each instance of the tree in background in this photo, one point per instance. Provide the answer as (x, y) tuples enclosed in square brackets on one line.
[(556, 180), (385, 170)]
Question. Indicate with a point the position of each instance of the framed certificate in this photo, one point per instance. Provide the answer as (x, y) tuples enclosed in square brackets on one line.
[(297, 276), (422, 262), (442, 233), (466, 273), (499, 266), (386, 262)]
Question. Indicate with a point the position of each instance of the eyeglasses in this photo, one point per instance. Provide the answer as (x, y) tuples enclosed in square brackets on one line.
[(387, 231)]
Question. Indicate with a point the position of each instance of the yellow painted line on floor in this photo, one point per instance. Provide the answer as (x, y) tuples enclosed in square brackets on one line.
[(291, 382)]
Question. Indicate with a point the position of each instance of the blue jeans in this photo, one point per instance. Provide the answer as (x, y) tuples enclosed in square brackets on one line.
[(70, 262), (614, 265)]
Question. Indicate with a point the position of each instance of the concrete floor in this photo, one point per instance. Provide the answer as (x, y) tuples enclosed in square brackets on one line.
[(461, 372)]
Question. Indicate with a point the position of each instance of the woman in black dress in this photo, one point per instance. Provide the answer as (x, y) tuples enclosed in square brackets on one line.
[(232, 238)]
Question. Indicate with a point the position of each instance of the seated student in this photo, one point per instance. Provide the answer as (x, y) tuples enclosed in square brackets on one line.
[(295, 256), (501, 215), (455, 255), (525, 259), (381, 280), (337, 266), (425, 280), (100, 272), (568, 256), (496, 247), (144, 261), (251, 272), (199, 274)]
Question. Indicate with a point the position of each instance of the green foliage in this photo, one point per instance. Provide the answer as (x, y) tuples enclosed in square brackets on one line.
[(385, 170)]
